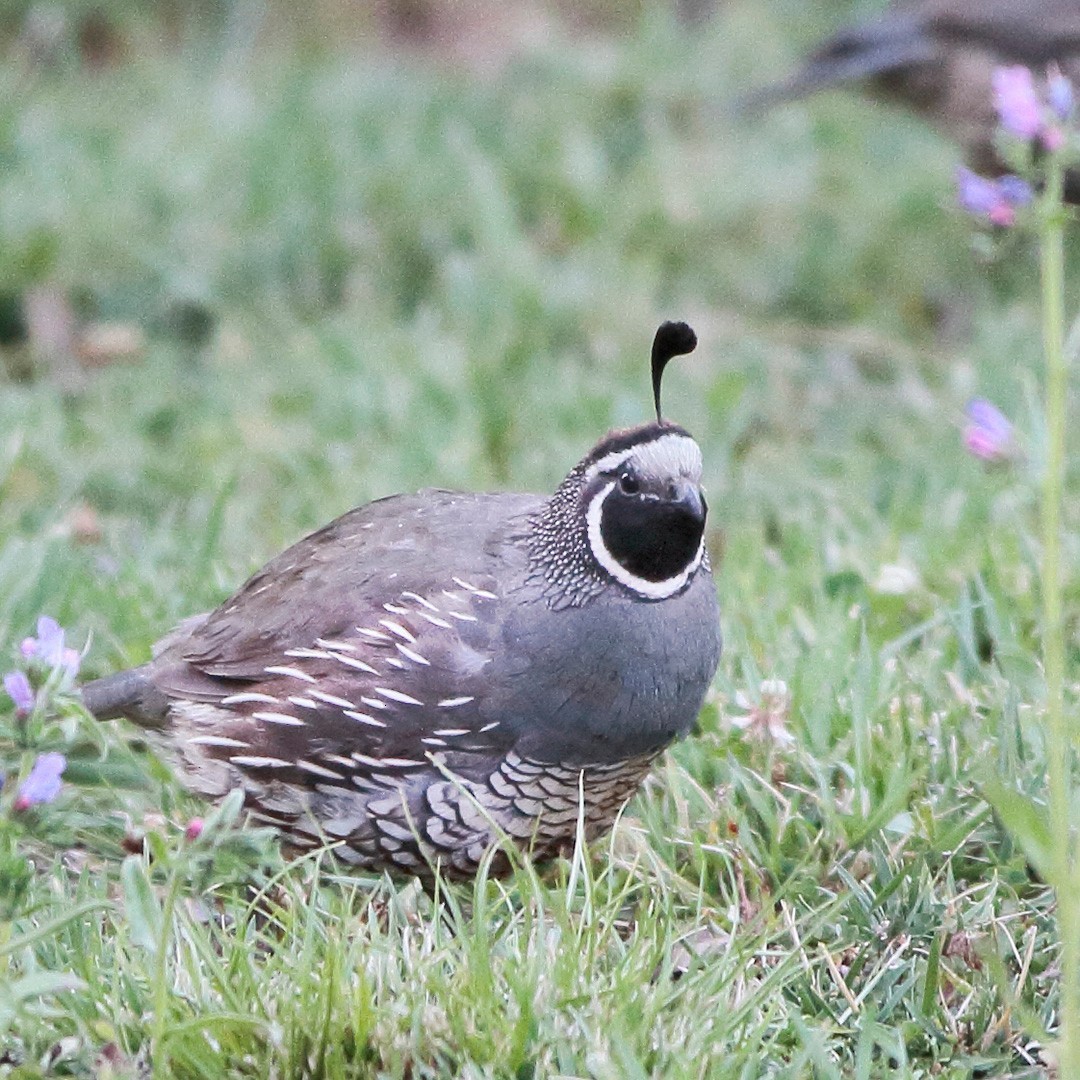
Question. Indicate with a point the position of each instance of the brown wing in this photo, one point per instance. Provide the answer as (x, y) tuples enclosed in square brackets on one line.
[(371, 637), (326, 583)]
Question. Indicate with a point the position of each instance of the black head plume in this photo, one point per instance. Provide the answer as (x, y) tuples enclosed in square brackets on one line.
[(672, 339)]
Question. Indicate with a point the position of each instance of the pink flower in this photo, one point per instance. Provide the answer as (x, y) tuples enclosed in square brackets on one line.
[(194, 828), (43, 784), (766, 719), (1017, 102), (1052, 138), (1025, 113)]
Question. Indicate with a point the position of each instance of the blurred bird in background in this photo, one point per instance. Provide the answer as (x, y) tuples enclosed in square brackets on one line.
[(937, 57)]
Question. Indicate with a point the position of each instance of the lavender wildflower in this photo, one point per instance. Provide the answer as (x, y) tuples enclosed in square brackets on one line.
[(1059, 94), (20, 691), (1017, 102), (976, 194), (995, 200), (49, 641), (43, 784), (1028, 114), (1015, 191), (989, 434), (49, 647)]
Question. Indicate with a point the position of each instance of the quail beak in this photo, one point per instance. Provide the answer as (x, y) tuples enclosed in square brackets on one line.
[(690, 499)]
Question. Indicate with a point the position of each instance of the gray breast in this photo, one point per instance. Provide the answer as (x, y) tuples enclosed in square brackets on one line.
[(615, 678)]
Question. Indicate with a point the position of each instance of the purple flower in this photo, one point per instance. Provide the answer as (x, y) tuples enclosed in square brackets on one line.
[(976, 194), (43, 783), (1017, 102), (20, 691), (50, 639), (989, 434), (48, 647), (1059, 93), (995, 200), (1015, 191)]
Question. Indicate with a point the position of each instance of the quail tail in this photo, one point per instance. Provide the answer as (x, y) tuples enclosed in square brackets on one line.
[(855, 54), (131, 694)]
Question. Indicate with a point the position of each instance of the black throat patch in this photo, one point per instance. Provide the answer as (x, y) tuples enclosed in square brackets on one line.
[(650, 539)]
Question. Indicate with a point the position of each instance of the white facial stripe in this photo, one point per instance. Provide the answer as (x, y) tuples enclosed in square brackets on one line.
[(669, 455), (652, 590), (608, 463)]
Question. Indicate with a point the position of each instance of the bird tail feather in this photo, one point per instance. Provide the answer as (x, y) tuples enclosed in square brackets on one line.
[(129, 694), (857, 53)]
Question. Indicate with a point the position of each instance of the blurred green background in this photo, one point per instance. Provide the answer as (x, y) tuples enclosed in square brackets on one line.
[(281, 262)]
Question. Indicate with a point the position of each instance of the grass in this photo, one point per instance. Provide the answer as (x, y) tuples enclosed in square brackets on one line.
[(357, 276)]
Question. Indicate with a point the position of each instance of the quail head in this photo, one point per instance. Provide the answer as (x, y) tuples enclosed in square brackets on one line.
[(937, 57), (431, 674)]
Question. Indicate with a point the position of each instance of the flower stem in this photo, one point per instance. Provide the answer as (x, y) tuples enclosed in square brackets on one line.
[(1060, 748)]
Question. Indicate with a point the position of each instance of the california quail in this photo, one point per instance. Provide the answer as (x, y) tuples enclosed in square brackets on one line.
[(937, 57), (431, 672)]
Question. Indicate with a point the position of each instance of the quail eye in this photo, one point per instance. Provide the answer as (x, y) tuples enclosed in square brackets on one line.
[(628, 484)]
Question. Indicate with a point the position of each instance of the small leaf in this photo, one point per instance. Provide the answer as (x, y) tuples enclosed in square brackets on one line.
[(933, 974), (157, 849), (116, 775), (15, 878), (39, 933), (38, 984), (140, 904), (225, 814), (43, 983), (1027, 821), (844, 584)]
